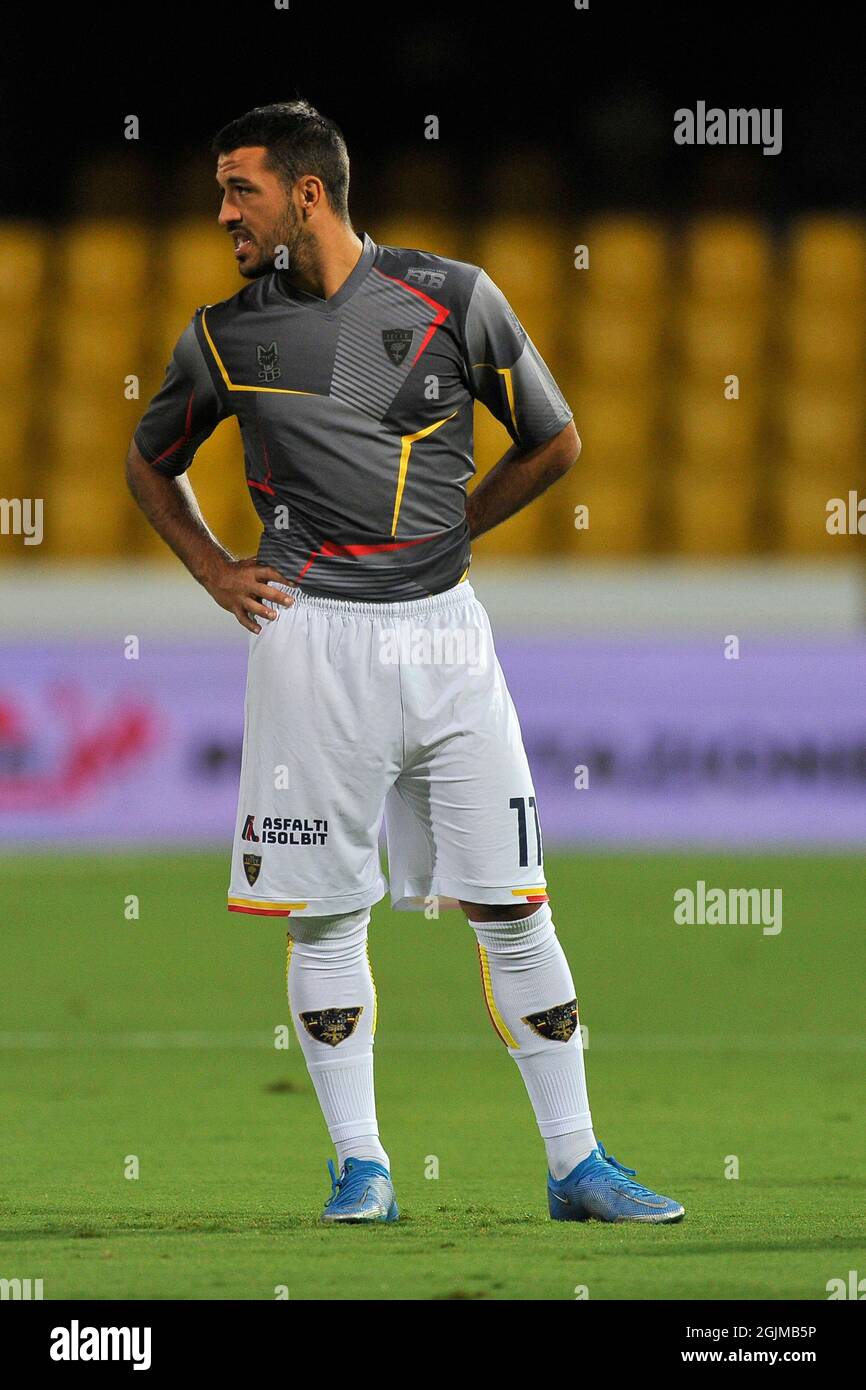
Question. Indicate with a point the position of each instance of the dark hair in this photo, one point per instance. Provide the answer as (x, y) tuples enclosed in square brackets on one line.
[(298, 141)]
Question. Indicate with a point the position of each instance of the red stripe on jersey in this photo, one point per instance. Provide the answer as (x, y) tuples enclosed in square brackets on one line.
[(331, 548), (184, 438), (442, 311)]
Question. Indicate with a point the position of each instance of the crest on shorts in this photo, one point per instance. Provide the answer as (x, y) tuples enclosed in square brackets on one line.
[(252, 865), (397, 342), (332, 1026), (557, 1023)]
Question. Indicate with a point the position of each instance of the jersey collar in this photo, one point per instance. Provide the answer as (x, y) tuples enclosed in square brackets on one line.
[(346, 290)]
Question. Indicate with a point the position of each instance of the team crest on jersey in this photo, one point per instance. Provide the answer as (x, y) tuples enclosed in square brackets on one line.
[(427, 279), (269, 362), (252, 867), (397, 342), (557, 1023), (332, 1026)]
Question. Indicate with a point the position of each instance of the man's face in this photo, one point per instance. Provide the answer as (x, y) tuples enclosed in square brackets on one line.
[(257, 210)]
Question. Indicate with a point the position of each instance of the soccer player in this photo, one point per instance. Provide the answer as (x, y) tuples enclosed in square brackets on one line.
[(373, 689)]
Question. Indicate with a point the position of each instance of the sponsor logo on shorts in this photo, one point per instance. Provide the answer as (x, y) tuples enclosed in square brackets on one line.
[(332, 1026), (286, 830), (252, 867), (557, 1023), (397, 342)]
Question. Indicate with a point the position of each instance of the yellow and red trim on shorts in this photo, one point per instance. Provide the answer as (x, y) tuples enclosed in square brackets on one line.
[(259, 907)]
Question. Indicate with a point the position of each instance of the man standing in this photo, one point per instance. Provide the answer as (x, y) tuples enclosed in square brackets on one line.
[(373, 688)]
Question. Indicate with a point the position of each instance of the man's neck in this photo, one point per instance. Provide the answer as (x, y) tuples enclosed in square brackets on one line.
[(326, 262)]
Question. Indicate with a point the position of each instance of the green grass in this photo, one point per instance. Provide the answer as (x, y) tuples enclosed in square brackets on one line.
[(155, 1038)]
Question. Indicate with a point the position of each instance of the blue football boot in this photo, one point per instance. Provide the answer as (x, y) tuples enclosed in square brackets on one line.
[(600, 1189), (362, 1192)]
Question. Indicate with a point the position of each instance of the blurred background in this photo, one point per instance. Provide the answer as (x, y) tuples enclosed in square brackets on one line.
[(697, 513)]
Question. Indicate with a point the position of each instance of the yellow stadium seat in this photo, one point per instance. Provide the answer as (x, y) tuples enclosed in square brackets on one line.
[(24, 252), (627, 260), (827, 259), (17, 473), (95, 353), (90, 437), (728, 258), (714, 340), (613, 343), (105, 264), (821, 428), (707, 431), (711, 512), (618, 429), (826, 343), (197, 265), (531, 264), (614, 513), (801, 498), (440, 236), (19, 347)]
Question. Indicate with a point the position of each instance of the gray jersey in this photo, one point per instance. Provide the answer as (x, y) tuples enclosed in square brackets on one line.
[(356, 415)]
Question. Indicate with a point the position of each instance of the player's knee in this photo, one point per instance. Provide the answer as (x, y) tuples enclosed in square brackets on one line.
[(492, 912), (339, 929)]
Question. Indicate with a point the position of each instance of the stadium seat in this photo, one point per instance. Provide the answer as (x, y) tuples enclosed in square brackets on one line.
[(618, 429), (727, 259), (711, 512), (17, 477), (709, 432), (713, 340), (827, 260), (613, 343), (800, 503), (24, 253), (627, 260), (440, 236), (821, 428), (825, 343), (196, 264), (528, 262), (105, 265), (96, 352)]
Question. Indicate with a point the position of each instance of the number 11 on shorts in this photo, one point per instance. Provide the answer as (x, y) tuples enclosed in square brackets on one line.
[(519, 804)]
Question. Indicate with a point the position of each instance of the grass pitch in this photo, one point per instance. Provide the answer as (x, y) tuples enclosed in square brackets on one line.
[(154, 1038)]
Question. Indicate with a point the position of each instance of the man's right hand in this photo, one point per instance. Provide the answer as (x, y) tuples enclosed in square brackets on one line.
[(241, 586)]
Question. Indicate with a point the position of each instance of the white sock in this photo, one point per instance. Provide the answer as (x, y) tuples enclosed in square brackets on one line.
[(332, 999), (525, 976)]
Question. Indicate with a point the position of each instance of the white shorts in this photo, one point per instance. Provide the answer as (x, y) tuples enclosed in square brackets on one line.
[(357, 712)]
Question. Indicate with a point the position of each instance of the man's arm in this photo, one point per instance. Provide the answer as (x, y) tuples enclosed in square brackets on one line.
[(518, 478), (170, 506)]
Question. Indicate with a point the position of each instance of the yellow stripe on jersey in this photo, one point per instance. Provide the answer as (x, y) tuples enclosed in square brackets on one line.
[(275, 390), (495, 1016), (527, 892), (505, 373), (406, 442)]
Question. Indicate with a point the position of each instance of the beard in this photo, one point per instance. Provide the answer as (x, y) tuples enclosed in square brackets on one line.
[(287, 233)]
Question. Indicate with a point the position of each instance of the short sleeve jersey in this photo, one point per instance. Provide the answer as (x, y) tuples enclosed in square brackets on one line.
[(356, 415)]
